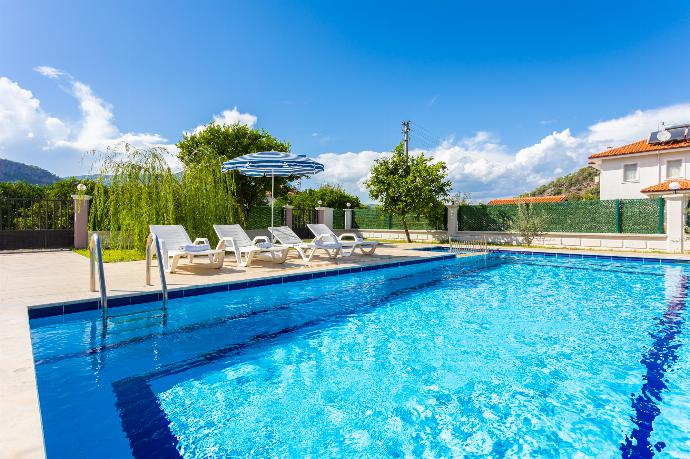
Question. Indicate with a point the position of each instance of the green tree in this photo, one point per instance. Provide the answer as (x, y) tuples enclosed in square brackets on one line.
[(330, 196), (20, 189), (220, 142), (65, 188), (528, 223), (413, 186)]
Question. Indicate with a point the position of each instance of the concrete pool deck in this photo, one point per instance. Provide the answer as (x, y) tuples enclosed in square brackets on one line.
[(31, 279)]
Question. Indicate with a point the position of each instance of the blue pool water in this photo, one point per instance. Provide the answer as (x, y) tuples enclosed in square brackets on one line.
[(521, 357)]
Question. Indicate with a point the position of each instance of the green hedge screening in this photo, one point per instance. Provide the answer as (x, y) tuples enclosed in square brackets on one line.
[(640, 216), (373, 218), (260, 217), (338, 219)]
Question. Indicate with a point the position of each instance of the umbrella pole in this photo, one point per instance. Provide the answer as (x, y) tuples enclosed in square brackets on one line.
[(273, 200)]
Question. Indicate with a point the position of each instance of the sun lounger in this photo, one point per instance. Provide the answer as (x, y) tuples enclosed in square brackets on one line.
[(306, 250), (246, 250), (175, 243), (349, 241)]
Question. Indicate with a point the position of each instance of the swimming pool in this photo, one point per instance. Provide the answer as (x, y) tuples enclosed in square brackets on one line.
[(514, 356)]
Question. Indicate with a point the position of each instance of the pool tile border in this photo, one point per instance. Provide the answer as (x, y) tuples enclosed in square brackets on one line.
[(644, 260), (37, 312)]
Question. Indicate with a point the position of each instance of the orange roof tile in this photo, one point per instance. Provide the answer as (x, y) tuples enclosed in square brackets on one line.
[(640, 147), (664, 186), (528, 199)]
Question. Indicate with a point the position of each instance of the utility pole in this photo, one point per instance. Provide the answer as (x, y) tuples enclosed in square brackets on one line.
[(406, 138)]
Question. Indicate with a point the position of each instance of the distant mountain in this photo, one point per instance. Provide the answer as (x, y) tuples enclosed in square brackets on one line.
[(581, 184), (11, 171)]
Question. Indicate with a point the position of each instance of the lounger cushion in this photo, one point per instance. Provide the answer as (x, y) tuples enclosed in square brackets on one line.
[(195, 248)]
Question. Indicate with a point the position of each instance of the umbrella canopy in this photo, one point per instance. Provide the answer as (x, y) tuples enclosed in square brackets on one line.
[(273, 164)]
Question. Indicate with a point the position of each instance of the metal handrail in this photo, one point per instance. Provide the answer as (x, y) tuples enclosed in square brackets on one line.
[(154, 241), (457, 245), (96, 255)]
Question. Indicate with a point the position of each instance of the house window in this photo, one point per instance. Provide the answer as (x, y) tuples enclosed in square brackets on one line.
[(630, 173), (674, 168)]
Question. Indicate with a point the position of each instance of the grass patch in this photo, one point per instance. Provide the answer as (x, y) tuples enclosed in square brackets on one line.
[(115, 255)]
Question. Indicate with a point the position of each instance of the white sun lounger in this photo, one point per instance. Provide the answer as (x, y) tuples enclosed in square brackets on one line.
[(175, 243), (237, 241), (306, 250), (349, 241)]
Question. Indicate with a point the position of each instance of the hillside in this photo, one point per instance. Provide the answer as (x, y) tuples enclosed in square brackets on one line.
[(580, 185), (11, 171)]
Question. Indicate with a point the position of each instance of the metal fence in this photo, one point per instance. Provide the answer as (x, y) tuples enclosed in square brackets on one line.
[(27, 223), (35, 214), (638, 216), (301, 217)]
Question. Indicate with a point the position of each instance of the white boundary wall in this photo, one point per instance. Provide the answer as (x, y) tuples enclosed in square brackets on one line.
[(600, 241)]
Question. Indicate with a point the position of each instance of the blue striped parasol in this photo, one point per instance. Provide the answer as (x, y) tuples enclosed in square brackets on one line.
[(273, 164)]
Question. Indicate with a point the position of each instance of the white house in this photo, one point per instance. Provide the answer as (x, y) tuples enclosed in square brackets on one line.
[(627, 170)]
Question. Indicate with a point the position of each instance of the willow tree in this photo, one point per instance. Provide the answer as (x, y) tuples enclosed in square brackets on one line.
[(141, 189), (406, 186), (208, 196), (221, 142)]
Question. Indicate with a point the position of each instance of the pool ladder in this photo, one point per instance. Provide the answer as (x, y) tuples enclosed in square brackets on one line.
[(96, 261), (457, 245), (153, 241)]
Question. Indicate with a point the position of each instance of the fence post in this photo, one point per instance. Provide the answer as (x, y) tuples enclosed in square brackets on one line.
[(325, 216), (618, 216), (81, 221), (660, 224), (452, 218), (390, 221), (348, 219), (675, 222), (287, 215)]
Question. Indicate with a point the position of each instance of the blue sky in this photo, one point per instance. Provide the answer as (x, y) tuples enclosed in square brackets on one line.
[(498, 90)]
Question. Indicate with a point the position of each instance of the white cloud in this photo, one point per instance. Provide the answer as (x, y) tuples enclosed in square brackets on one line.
[(229, 117), (96, 131), (486, 167), (31, 135), (636, 125), (321, 138), (349, 169), (50, 72), (22, 117)]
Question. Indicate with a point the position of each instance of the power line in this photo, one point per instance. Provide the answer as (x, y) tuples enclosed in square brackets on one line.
[(429, 135)]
